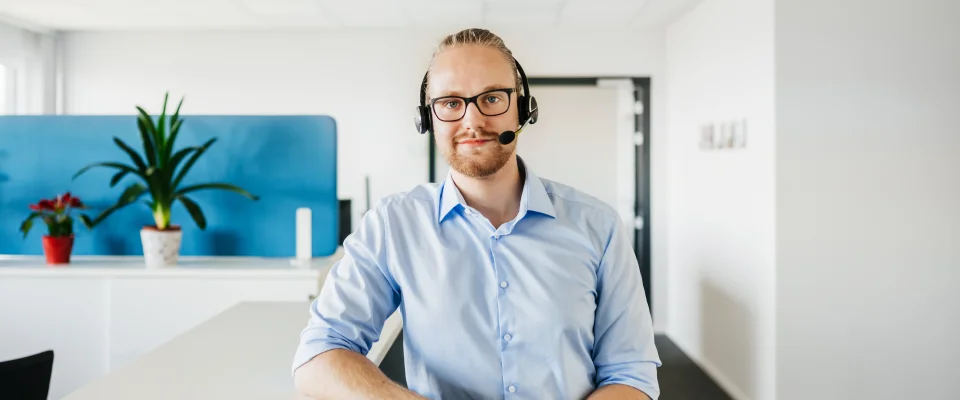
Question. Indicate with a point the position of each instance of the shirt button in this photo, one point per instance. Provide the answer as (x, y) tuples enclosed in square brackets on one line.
[(512, 388), (503, 284), (507, 337)]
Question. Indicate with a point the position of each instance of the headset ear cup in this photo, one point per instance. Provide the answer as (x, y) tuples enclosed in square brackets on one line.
[(522, 110), (534, 110), (423, 119), (418, 121)]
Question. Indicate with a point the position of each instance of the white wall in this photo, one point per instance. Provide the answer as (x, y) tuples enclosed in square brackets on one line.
[(29, 58), (868, 199), (367, 79), (721, 235)]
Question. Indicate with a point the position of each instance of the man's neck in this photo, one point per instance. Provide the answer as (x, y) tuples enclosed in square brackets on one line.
[(497, 196)]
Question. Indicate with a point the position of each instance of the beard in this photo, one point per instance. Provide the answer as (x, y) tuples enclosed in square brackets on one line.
[(477, 162)]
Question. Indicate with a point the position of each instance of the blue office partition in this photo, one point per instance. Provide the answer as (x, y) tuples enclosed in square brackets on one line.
[(288, 161)]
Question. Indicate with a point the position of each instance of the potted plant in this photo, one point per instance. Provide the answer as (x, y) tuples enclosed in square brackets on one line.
[(58, 242), (161, 171)]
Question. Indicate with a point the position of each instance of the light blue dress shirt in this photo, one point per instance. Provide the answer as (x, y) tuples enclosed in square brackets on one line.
[(549, 305)]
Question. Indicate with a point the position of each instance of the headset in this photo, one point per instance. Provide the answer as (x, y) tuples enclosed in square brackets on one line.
[(527, 109)]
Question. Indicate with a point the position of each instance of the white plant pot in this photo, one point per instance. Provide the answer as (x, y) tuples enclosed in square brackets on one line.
[(160, 248)]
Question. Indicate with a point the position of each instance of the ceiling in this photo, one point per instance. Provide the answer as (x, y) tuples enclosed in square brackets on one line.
[(338, 14)]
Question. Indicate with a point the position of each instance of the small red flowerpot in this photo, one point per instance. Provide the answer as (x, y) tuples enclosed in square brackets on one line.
[(58, 249)]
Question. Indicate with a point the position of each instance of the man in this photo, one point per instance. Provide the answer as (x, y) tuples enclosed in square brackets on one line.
[(511, 286)]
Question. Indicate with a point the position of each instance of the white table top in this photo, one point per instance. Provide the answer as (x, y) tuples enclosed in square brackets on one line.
[(188, 266), (243, 353)]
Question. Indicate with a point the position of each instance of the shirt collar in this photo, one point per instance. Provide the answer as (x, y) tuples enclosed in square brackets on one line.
[(533, 198), (450, 198)]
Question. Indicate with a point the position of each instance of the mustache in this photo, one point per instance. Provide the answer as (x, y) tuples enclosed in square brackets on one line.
[(477, 135)]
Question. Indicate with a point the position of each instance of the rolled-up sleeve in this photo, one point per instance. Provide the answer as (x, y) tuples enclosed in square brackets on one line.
[(624, 351), (356, 298)]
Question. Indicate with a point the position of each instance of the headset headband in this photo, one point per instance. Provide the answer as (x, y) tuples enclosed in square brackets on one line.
[(523, 83)]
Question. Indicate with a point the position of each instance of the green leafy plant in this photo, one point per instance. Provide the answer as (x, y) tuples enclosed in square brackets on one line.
[(160, 171)]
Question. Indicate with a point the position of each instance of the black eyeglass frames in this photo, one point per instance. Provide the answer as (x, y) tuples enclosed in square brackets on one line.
[(490, 103)]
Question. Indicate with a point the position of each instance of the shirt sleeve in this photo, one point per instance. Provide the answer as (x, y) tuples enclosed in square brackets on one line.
[(624, 351), (356, 298)]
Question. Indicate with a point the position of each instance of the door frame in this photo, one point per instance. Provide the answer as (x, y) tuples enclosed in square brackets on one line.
[(642, 135)]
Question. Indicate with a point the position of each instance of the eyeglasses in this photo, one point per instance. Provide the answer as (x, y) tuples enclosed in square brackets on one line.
[(490, 103)]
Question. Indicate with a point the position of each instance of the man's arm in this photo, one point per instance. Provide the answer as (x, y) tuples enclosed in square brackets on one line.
[(344, 374), (346, 318), (618, 392), (624, 353)]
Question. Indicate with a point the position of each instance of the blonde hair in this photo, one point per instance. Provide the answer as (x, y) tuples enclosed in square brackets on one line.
[(478, 37)]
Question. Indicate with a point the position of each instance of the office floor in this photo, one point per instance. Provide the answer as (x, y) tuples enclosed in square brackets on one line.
[(680, 378)]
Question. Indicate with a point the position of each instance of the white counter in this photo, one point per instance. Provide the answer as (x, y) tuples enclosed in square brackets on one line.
[(100, 313), (245, 352)]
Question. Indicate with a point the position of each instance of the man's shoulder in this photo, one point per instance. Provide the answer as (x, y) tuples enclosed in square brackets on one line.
[(571, 198), (424, 194)]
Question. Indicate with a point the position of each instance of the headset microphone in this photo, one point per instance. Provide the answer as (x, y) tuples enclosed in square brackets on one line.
[(508, 136)]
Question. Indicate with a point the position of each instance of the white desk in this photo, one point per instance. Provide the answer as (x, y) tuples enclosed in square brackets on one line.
[(244, 353)]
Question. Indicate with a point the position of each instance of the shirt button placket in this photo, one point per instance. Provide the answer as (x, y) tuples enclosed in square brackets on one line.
[(496, 265), (501, 308)]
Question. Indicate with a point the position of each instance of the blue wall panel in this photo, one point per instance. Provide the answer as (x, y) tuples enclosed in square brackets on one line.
[(289, 161)]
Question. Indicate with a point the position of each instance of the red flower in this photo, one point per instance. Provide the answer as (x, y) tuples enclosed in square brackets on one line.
[(59, 204), (55, 213), (45, 205)]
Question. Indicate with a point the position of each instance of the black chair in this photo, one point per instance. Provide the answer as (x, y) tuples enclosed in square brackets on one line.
[(27, 378), (345, 225)]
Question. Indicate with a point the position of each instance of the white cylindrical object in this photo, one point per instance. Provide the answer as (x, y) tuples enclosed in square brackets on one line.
[(304, 234)]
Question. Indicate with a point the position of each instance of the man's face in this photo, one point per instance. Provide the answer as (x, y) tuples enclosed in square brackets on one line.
[(470, 144)]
